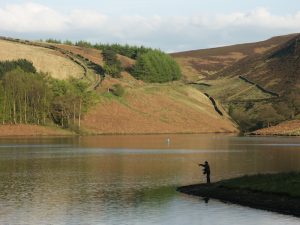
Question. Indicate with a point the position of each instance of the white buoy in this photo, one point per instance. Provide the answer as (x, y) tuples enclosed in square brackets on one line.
[(168, 141)]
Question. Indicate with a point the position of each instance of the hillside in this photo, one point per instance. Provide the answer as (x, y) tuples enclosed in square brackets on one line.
[(44, 59), (155, 108), (259, 89), (90, 54), (145, 108), (276, 70), (199, 64)]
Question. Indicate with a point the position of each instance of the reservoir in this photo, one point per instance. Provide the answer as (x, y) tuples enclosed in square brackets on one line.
[(109, 180)]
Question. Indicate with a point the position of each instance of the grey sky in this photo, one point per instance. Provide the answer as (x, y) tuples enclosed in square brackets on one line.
[(169, 25)]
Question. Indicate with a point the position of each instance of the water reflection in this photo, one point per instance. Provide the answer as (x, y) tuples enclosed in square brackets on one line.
[(132, 179)]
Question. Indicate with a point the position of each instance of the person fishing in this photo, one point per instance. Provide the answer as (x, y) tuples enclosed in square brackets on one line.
[(206, 170)]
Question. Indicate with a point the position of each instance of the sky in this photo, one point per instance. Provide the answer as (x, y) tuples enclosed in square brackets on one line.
[(171, 25)]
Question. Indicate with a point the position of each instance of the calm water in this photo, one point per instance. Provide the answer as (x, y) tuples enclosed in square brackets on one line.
[(132, 179)]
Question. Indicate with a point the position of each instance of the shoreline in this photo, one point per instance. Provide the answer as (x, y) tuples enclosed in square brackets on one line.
[(274, 202), (271, 135), (32, 130), (289, 128)]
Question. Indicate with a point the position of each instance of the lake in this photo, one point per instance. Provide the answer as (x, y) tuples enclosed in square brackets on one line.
[(132, 179)]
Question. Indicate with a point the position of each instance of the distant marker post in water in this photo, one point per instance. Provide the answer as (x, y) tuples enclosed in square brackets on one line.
[(168, 141)]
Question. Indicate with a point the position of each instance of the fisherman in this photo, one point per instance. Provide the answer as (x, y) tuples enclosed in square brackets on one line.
[(206, 170)]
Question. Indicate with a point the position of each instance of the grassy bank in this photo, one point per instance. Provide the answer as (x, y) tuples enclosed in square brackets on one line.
[(287, 184), (274, 192)]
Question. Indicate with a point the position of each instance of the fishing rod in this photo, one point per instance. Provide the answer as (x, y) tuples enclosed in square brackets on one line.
[(193, 162)]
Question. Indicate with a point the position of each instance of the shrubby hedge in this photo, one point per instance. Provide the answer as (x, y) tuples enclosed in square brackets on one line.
[(156, 66), (118, 90), (129, 51), (112, 65), (25, 65)]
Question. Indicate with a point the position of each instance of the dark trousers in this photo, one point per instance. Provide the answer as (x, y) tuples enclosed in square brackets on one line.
[(208, 178)]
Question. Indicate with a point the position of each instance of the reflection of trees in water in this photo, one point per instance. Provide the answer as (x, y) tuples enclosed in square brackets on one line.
[(130, 197)]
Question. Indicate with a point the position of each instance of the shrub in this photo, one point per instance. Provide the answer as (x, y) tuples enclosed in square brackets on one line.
[(130, 51), (84, 44), (68, 42), (112, 65), (53, 41), (113, 70), (118, 90), (156, 66)]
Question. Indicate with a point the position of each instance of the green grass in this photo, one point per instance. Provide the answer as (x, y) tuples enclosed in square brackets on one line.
[(108, 96), (231, 89), (283, 184), (112, 97)]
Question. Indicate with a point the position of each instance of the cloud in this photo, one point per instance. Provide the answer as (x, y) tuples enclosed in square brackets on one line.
[(84, 19), (31, 17), (259, 17), (166, 32)]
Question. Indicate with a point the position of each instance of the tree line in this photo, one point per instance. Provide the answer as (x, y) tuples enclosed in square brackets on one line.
[(31, 97), (132, 52), (127, 50)]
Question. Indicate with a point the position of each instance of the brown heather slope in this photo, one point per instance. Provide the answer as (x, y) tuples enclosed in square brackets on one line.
[(200, 64), (127, 63), (155, 108), (94, 55), (91, 54), (277, 70)]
